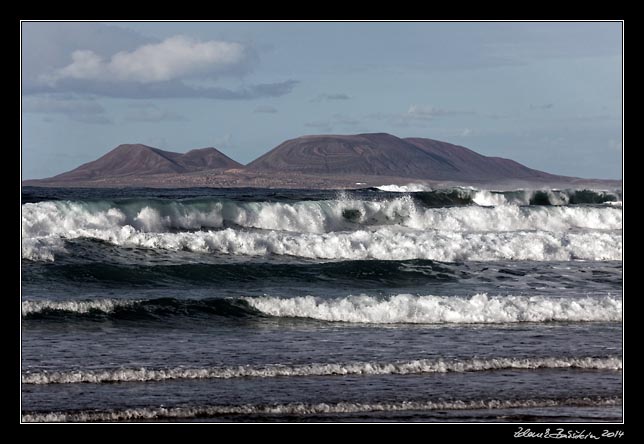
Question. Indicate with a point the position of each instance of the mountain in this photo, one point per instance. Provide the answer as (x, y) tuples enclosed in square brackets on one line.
[(473, 165), (138, 160), (382, 154), (317, 162)]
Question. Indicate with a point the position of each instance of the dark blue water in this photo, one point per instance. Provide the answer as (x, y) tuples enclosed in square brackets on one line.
[(298, 305)]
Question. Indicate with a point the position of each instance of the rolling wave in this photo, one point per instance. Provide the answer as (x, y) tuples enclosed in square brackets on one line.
[(419, 366), (73, 219), (301, 409), (402, 308)]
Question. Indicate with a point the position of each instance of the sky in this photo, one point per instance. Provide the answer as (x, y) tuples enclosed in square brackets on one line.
[(546, 94)]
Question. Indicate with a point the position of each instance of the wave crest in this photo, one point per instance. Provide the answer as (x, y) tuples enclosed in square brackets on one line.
[(402, 308), (406, 308)]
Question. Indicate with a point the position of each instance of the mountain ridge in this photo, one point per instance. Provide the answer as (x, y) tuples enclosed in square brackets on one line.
[(138, 159), (312, 161), (383, 154)]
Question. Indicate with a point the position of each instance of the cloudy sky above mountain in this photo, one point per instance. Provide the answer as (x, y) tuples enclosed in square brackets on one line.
[(548, 95)]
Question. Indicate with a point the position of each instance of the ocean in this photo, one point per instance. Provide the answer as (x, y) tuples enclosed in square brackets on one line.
[(389, 304)]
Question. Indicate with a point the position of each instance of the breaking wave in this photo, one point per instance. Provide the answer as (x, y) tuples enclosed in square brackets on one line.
[(384, 243), (402, 308), (406, 308), (73, 219), (398, 227)]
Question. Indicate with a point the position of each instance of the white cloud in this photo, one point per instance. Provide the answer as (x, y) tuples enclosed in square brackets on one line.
[(108, 61), (85, 65), (466, 132), (173, 58)]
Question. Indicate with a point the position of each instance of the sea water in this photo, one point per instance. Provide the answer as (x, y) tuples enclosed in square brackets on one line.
[(382, 304)]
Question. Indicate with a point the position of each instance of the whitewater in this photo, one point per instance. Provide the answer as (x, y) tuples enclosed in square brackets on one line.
[(397, 228)]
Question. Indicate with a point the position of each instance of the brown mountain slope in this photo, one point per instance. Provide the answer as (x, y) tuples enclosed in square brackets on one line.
[(207, 159), (130, 160), (471, 164), (363, 154), (382, 154)]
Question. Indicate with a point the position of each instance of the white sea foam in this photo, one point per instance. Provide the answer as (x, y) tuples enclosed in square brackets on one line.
[(82, 307), (301, 409), (385, 243), (335, 229), (419, 366), (489, 199), (409, 188), (406, 308), (72, 219)]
